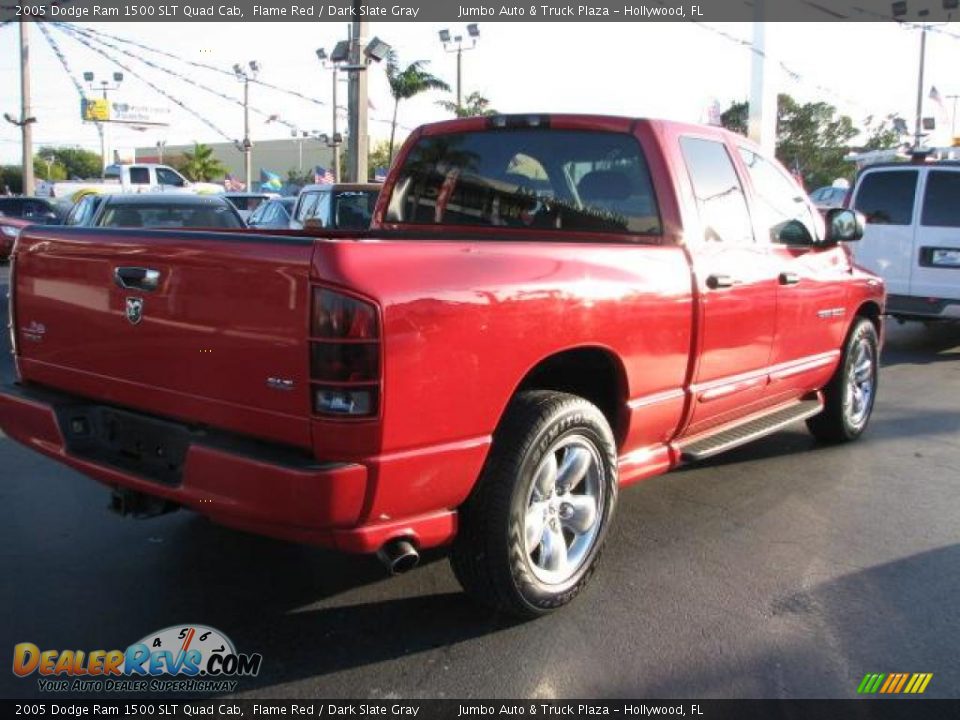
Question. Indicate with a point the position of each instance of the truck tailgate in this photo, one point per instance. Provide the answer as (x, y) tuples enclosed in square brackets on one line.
[(202, 326)]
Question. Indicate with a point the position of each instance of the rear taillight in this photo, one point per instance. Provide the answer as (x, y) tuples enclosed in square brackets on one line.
[(344, 355)]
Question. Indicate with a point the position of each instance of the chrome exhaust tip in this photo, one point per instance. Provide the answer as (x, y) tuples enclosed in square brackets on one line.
[(399, 556)]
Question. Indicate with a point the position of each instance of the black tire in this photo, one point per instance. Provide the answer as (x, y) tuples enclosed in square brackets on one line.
[(489, 556), (837, 423)]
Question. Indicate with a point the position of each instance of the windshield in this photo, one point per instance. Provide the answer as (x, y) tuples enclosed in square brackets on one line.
[(170, 215), (537, 178)]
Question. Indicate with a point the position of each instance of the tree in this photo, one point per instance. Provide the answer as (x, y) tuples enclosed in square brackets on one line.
[(11, 176), (381, 155), (475, 105), (201, 165), (812, 139), (77, 163), (407, 83), (883, 136)]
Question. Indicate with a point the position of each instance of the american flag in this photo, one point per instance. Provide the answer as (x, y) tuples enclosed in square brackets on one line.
[(322, 176), (231, 184)]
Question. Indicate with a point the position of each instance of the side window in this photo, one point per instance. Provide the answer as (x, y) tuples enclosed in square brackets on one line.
[(139, 176), (720, 198), (307, 207), (74, 214), (258, 215), (887, 197), (167, 177), (779, 199), (322, 210), (941, 201), (81, 212)]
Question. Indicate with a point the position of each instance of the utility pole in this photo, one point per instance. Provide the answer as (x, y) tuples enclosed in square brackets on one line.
[(762, 122), (918, 127), (953, 117), (26, 120), (357, 139)]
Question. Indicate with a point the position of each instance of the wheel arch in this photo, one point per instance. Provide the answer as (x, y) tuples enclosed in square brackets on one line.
[(592, 372)]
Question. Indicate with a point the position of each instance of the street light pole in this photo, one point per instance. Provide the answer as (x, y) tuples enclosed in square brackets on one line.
[(26, 121), (246, 146), (336, 144), (357, 101), (474, 32), (953, 117)]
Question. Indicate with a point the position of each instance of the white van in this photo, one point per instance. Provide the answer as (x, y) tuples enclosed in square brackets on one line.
[(912, 236)]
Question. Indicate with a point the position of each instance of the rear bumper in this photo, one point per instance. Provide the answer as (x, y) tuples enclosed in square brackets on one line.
[(237, 482), (909, 306)]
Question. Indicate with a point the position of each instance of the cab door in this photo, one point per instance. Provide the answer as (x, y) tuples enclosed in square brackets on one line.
[(811, 289), (736, 286)]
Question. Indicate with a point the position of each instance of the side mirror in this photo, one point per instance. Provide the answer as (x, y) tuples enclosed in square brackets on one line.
[(793, 232), (844, 225)]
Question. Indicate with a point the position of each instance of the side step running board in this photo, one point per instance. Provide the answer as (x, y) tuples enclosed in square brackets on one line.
[(714, 444)]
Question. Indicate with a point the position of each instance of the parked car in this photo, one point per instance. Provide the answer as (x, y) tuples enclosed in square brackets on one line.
[(346, 206), (247, 202), (829, 197), (155, 210), (134, 178), (545, 309), (273, 213), (912, 236), (35, 210), (10, 228)]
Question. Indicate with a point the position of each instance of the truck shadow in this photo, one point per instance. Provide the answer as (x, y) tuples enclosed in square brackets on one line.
[(916, 344), (835, 632)]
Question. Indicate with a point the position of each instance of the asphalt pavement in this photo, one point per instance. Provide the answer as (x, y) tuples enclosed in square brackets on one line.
[(783, 569)]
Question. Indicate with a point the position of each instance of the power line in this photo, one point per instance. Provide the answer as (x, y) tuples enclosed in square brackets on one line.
[(196, 64), (792, 74), (86, 43), (173, 73)]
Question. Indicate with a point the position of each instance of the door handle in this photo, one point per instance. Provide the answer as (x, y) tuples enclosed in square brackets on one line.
[(715, 282), (136, 278), (789, 278)]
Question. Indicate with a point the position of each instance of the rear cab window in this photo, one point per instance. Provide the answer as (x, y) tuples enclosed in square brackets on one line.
[(886, 197), (551, 179)]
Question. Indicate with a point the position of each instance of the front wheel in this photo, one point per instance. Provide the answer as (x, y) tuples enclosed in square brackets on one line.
[(850, 394), (531, 532)]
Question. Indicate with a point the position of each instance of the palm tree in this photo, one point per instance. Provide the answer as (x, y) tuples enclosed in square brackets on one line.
[(474, 105), (406, 83), (201, 165)]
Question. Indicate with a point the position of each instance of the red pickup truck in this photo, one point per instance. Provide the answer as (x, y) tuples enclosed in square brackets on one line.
[(546, 308)]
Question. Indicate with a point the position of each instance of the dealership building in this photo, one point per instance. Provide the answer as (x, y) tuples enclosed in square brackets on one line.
[(278, 156)]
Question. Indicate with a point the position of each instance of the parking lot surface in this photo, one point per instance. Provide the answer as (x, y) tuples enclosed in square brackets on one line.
[(782, 569)]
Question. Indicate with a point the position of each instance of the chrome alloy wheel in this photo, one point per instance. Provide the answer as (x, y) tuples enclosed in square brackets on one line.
[(860, 385), (564, 508)]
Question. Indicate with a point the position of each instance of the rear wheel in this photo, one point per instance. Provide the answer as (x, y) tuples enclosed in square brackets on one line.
[(850, 394), (532, 531)]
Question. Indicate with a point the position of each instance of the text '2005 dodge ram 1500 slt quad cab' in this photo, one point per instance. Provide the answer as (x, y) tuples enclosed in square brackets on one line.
[(546, 308)]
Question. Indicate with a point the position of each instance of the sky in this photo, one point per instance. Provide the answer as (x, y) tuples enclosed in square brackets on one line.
[(670, 70)]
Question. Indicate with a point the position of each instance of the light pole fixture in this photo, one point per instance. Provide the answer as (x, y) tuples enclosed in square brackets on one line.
[(338, 60), (246, 146), (104, 87), (455, 44), (899, 10)]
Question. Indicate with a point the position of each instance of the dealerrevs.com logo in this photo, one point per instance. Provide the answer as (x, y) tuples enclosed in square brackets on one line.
[(180, 658)]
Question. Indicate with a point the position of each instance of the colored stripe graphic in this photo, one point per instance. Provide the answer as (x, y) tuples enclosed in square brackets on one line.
[(894, 683)]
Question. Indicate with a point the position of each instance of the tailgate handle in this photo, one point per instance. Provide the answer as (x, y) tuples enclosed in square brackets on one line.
[(136, 278)]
